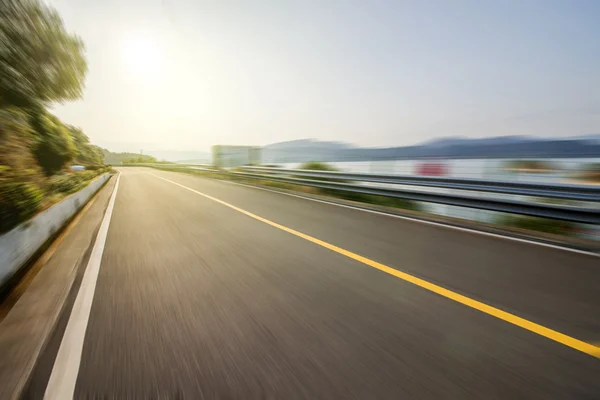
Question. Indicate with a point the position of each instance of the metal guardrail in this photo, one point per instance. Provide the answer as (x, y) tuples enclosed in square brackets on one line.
[(557, 191), (351, 182), (354, 182)]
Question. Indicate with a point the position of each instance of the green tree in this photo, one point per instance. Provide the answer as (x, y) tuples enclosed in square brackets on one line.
[(98, 154), (55, 146), (80, 139), (39, 61), (85, 152)]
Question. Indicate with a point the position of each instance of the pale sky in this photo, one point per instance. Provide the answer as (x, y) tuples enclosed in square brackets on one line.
[(187, 74)]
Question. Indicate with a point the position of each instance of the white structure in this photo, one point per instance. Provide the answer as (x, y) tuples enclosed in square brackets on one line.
[(235, 156)]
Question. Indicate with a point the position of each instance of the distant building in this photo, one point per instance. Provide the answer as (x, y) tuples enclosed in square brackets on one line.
[(235, 156)]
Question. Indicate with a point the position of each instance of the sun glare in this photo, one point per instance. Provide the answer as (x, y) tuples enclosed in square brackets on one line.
[(142, 55)]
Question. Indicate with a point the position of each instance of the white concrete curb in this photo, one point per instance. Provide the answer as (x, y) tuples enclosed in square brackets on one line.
[(20, 244)]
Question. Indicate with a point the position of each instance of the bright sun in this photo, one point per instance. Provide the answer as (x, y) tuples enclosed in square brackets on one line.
[(142, 55)]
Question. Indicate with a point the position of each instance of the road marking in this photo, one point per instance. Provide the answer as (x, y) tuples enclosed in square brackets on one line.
[(66, 366), (422, 221), (467, 301)]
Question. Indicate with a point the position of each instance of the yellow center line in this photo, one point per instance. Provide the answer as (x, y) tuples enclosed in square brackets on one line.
[(449, 294)]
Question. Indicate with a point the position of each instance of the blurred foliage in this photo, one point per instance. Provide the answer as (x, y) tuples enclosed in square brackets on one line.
[(39, 61), (86, 153), (358, 197), (19, 201), (317, 166), (320, 166), (70, 183), (533, 166), (129, 158), (375, 200), (590, 173), (140, 159), (17, 140), (537, 224), (55, 147)]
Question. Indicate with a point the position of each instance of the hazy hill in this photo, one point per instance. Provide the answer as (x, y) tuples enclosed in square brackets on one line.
[(448, 147), (303, 150)]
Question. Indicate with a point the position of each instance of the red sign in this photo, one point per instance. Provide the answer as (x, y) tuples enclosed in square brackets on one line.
[(432, 169)]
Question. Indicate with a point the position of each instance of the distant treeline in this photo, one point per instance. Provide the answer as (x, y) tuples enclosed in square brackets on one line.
[(126, 158), (129, 158)]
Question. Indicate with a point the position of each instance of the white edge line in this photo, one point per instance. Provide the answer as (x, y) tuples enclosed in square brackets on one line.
[(63, 378), (447, 226)]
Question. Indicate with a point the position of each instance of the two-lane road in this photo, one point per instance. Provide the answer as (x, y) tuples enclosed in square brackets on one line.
[(212, 290)]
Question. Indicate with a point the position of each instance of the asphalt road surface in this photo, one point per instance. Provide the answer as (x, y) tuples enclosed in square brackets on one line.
[(198, 298)]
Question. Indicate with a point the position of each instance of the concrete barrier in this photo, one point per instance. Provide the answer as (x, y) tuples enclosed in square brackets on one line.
[(21, 243)]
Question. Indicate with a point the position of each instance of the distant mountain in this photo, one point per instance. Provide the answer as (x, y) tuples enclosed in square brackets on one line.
[(460, 141), (445, 141), (593, 138), (302, 150), (308, 143), (448, 147)]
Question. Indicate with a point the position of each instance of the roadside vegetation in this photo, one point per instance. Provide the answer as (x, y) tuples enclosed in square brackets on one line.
[(40, 64), (130, 158), (530, 166), (537, 224), (358, 197), (590, 174)]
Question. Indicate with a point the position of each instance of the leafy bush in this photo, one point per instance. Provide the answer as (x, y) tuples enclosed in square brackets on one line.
[(63, 184), (19, 201), (94, 167), (375, 200), (529, 166), (590, 173), (17, 140), (85, 152), (317, 166), (88, 175), (69, 183), (141, 159)]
